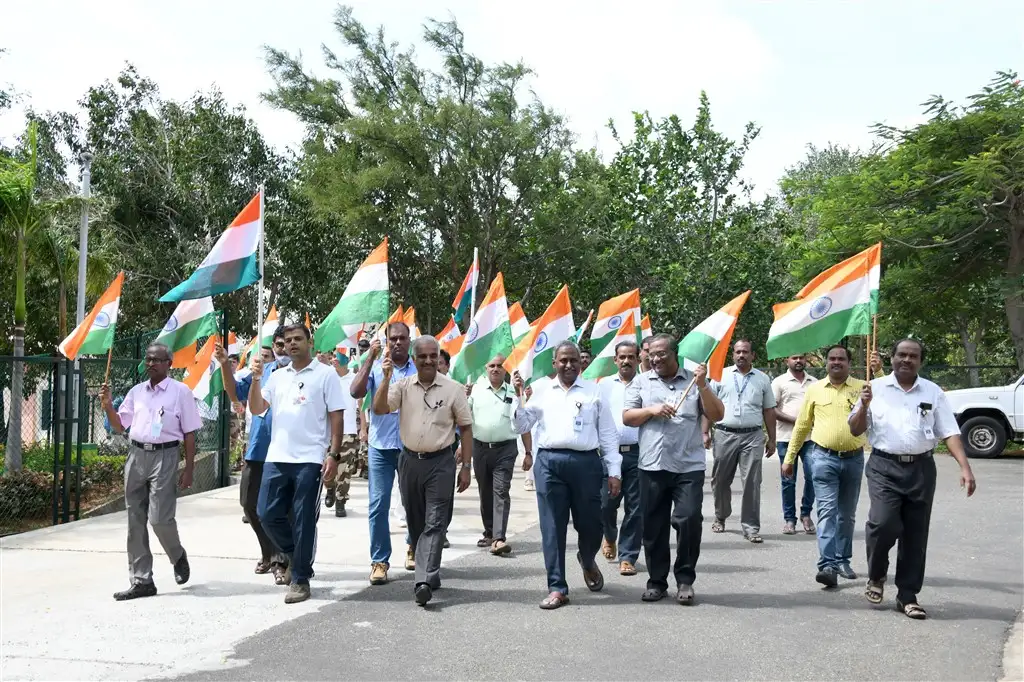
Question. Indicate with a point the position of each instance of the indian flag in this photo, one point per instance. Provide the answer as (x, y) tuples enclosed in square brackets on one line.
[(95, 335), (233, 262), (534, 355), (382, 330), (270, 326), (709, 342), (204, 376), (410, 321), (837, 303), (365, 300), (451, 338), (463, 300), (488, 335), (645, 327), (604, 364), (517, 318), (191, 320), (610, 316)]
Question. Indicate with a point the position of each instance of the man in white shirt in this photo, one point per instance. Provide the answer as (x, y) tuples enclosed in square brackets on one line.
[(575, 431), (905, 416), (623, 544), (789, 390), (337, 488), (305, 396)]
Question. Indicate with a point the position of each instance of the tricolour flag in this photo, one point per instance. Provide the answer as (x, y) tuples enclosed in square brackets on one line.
[(191, 320), (517, 318), (604, 364), (204, 376), (645, 327), (397, 316), (488, 335), (365, 301), (451, 338), (270, 326), (233, 262), (837, 303), (410, 321), (534, 354), (463, 300), (95, 334), (610, 316), (308, 324), (234, 345), (709, 342)]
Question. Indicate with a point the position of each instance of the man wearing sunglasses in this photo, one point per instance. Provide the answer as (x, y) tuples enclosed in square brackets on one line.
[(161, 416), (429, 406)]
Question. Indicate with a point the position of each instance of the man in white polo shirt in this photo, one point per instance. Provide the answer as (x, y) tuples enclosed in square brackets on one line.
[(305, 394)]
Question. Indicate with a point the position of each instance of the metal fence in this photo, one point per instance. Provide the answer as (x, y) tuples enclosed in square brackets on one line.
[(72, 462)]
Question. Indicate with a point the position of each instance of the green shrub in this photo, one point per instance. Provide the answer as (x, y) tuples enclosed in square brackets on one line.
[(25, 494)]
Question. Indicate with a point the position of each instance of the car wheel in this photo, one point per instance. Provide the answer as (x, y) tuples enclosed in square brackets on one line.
[(983, 437)]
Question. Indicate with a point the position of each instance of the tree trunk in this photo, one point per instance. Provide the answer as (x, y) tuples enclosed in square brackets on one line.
[(970, 355), (13, 453), (1014, 301)]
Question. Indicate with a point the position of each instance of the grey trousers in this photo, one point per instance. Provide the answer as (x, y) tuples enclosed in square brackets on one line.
[(427, 487), (743, 450), (493, 471), (151, 495)]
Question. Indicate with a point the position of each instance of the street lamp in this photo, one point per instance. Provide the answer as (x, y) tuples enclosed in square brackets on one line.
[(83, 234)]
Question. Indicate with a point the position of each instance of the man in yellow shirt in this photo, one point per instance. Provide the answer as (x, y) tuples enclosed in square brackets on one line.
[(837, 463)]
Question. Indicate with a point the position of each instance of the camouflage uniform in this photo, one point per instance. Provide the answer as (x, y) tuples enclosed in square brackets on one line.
[(346, 467)]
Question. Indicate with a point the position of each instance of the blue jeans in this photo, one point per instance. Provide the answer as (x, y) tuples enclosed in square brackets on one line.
[(383, 467), (837, 488), (568, 480), (789, 484), (630, 536), (295, 488)]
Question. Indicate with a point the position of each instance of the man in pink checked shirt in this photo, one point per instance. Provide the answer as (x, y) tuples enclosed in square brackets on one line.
[(161, 416)]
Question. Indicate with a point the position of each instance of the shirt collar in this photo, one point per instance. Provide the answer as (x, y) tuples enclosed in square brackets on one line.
[(162, 386), (846, 381), (558, 384), (290, 367), (890, 380), (807, 377)]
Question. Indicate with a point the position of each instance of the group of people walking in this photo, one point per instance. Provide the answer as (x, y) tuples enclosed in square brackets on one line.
[(636, 441)]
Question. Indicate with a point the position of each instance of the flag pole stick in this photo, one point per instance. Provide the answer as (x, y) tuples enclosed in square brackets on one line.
[(867, 356), (259, 289), (110, 354), (472, 296)]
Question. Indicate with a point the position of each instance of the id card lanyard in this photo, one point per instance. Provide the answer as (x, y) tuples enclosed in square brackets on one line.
[(738, 409)]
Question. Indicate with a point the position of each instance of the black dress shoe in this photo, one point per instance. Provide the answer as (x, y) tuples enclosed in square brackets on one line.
[(423, 593), (653, 594), (182, 571), (329, 498), (135, 591), (827, 577), (339, 510)]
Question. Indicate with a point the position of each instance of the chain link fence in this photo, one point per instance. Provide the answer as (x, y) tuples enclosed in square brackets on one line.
[(72, 463)]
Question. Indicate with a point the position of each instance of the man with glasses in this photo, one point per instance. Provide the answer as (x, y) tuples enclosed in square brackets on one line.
[(161, 416), (429, 407)]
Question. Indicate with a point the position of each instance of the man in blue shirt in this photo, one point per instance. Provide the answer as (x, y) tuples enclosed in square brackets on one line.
[(256, 452), (384, 446)]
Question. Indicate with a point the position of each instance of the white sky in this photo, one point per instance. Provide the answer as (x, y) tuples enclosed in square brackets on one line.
[(805, 72)]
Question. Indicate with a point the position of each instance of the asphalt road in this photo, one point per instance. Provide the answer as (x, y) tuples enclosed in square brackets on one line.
[(759, 613)]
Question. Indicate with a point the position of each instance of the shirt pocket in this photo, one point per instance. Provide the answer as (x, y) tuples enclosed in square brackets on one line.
[(588, 412), (688, 410)]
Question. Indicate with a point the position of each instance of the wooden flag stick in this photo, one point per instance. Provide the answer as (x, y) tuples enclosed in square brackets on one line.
[(682, 397), (867, 356), (110, 354)]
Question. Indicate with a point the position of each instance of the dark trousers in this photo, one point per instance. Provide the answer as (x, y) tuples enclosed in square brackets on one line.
[(492, 468), (901, 509), (568, 480), (248, 497), (630, 536), (296, 488), (427, 487), (675, 500)]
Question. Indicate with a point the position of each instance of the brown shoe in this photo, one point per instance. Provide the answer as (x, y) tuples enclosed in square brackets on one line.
[(296, 593), (789, 528), (808, 525), (379, 573), (627, 568), (410, 559), (609, 550)]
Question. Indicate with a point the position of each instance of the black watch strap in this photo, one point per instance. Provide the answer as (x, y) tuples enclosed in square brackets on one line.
[(336, 456)]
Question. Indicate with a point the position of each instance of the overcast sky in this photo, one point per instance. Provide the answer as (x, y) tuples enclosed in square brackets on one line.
[(805, 72)]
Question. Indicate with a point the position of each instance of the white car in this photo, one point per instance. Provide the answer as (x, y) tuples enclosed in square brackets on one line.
[(989, 417)]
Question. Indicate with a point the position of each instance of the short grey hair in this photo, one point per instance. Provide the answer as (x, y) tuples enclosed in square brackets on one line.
[(568, 343), (163, 347), (424, 339)]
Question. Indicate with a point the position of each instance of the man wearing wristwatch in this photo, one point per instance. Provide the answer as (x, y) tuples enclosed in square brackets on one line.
[(429, 407), (306, 397)]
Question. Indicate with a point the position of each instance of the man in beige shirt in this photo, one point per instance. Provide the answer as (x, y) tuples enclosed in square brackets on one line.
[(789, 390), (430, 405)]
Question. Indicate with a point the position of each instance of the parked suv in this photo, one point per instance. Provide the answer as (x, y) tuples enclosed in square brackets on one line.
[(989, 417)]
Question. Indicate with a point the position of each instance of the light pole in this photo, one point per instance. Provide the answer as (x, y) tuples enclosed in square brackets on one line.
[(83, 235)]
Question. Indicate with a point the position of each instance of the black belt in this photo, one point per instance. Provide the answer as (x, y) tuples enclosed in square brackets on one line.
[(150, 447), (569, 451), (493, 446), (902, 459), (630, 449), (840, 453), (428, 455), (734, 429)]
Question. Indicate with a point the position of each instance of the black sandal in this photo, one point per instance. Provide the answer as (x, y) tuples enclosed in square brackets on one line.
[(485, 541)]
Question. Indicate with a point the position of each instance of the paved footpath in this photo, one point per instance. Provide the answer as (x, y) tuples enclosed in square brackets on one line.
[(759, 615)]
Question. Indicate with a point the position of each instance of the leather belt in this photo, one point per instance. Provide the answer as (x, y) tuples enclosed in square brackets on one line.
[(150, 447), (492, 446), (736, 429), (841, 454), (902, 459), (428, 455), (629, 449)]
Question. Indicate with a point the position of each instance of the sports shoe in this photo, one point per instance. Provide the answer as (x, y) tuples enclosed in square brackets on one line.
[(528, 485), (379, 573), (296, 593)]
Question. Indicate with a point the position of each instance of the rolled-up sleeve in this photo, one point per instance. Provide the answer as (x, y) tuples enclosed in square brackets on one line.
[(608, 437), (189, 411)]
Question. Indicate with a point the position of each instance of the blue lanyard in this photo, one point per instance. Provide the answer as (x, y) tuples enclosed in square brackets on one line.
[(736, 383)]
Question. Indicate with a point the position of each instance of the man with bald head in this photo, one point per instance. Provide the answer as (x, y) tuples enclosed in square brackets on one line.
[(429, 406), (494, 403)]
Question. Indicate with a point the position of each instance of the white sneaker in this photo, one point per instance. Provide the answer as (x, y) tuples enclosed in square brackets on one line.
[(528, 485)]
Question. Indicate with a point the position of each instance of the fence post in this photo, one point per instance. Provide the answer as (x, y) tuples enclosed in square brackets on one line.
[(83, 401), (69, 373), (55, 442), (224, 456)]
